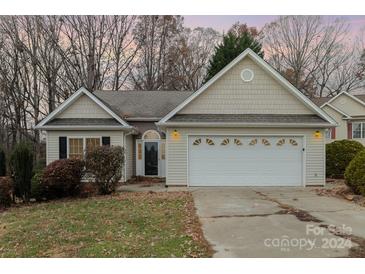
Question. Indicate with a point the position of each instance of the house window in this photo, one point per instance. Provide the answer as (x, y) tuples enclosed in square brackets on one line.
[(328, 134), (358, 130), (76, 146), (151, 134), (92, 143)]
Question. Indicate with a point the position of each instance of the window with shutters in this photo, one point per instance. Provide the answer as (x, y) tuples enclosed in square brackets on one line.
[(358, 130), (76, 148)]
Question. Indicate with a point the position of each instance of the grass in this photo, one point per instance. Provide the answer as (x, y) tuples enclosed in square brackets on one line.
[(123, 225)]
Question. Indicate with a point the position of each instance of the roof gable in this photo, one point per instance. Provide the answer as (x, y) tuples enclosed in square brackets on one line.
[(231, 95), (83, 107), (348, 104), (61, 111), (264, 67)]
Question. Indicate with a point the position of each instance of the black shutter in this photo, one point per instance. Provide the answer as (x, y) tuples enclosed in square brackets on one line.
[(62, 147), (105, 140)]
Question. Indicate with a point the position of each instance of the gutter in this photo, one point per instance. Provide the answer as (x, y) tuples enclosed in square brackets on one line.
[(100, 127), (253, 125), (142, 119)]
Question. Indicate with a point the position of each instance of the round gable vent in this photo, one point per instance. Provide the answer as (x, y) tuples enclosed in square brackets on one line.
[(247, 75)]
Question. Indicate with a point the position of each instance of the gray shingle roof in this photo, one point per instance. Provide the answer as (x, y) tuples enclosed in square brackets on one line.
[(142, 103), (249, 118), (83, 122), (321, 100)]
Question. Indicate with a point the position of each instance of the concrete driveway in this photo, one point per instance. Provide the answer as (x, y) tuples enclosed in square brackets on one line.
[(279, 222)]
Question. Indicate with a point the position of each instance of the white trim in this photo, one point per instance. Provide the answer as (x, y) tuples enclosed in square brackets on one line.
[(101, 127), (47, 149), (73, 98), (221, 124), (336, 109), (142, 119), (125, 155), (151, 130), (349, 95), (324, 158), (247, 80), (158, 158), (265, 66), (362, 123), (304, 153)]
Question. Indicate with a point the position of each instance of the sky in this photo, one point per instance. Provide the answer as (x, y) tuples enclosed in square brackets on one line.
[(224, 22)]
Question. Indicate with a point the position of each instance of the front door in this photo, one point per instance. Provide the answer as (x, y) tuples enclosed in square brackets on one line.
[(151, 158)]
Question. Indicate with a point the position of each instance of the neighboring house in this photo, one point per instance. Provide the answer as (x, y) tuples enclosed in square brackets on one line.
[(247, 126), (349, 112)]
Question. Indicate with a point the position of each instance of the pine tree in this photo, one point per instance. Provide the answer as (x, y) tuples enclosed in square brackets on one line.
[(2, 163), (22, 168), (233, 44)]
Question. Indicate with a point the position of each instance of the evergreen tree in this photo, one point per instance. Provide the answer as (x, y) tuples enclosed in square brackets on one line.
[(22, 168), (233, 44), (2, 163)]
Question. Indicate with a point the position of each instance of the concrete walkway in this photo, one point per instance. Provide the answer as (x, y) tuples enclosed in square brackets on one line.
[(279, 222)]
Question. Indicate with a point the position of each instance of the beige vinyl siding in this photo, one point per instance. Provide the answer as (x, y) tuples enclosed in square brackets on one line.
[(177, 152), (84, 107), (230, 95), (129, 156), (116, 139), (341, 130), (348, 105)]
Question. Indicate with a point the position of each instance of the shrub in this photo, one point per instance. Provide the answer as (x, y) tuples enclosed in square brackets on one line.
[(22, 166), (87, 189), (355, 174), (37, 191), (106, 164), (338, 155), (6, 186), (2, 163), (62, 178)]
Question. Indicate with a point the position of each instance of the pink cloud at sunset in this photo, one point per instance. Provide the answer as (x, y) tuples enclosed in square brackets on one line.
[(223, 22)]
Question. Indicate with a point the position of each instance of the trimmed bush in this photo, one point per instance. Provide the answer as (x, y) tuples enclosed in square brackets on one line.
[(21, 162), (338, 156), (2, 163), (355, 174), (62, 178), (6, 187), (106, 164)]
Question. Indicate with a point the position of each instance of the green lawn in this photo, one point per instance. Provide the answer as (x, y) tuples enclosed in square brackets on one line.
[(124, 225)]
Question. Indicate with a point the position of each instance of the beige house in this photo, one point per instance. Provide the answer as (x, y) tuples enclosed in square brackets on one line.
[(247, 126), (349, 112)]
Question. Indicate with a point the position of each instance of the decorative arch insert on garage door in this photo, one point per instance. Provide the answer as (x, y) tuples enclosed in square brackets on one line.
[(245, 160)]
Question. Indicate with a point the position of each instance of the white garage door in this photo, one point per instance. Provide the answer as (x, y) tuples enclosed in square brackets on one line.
[(245, 161)]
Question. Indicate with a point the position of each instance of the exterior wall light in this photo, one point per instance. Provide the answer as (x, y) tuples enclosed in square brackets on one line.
[(175, 135), (317, 134)]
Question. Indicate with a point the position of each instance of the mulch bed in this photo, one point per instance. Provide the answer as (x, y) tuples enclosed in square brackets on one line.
[(337, 188)]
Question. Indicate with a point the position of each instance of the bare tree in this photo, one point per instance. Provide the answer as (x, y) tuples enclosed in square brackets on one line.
[(123, 50), (190, 56), (154, 35), (314, 51)]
